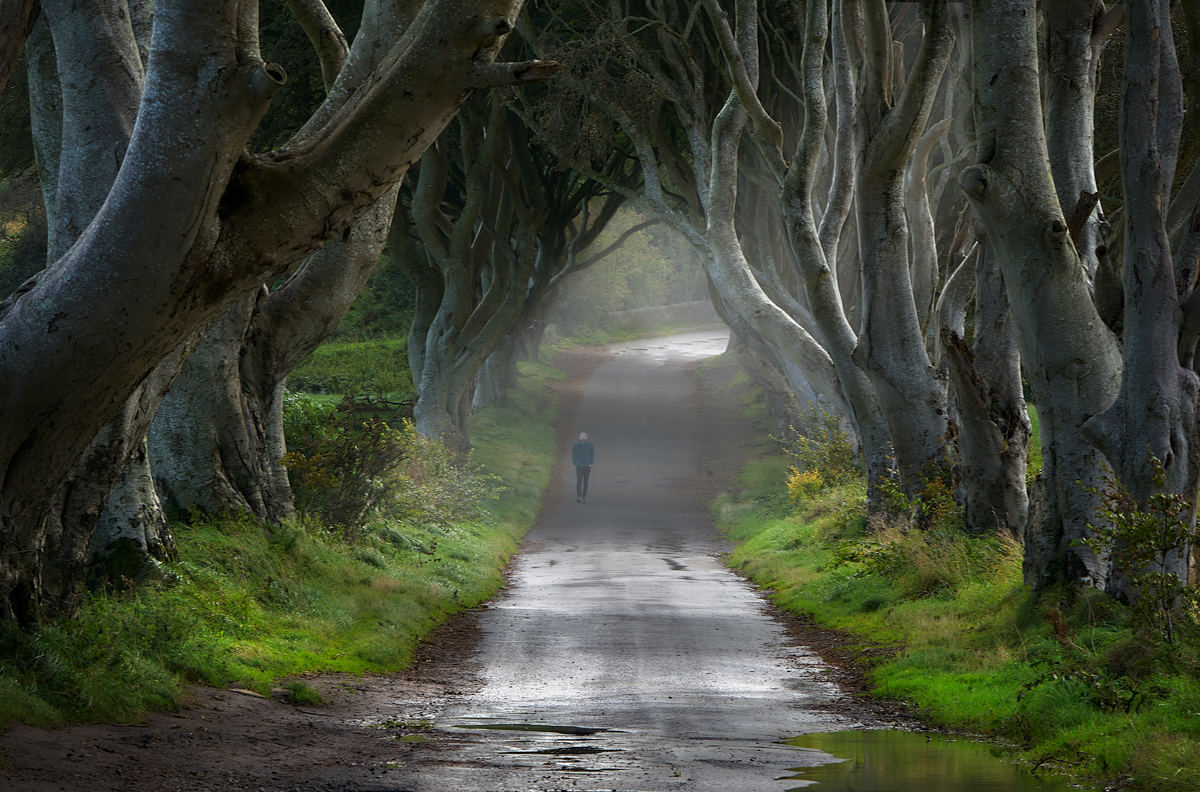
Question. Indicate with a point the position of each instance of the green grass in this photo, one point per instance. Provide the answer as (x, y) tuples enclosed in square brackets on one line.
[(1035, 443), (250, 604), (516, 442), (371, 367), (1060, 677)]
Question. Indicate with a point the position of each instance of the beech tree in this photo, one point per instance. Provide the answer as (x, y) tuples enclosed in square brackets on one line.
[(480, 250), (190, 223), (1091, 398), (493, 223), (652, 72), (216, 443)]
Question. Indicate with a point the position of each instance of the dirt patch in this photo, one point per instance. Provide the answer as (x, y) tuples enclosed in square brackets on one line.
[(232, 740)]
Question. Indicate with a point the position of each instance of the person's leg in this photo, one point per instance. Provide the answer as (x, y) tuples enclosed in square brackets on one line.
[(587, 472), (580, 478)]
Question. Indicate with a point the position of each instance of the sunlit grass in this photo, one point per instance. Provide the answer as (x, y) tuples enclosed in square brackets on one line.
[(378, 367), (1034, 463)]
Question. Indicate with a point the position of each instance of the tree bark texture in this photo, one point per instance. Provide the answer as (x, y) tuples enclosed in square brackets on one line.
[(923, 254), (1154, 416), (217, 445), (1071, 358), (891, 345), (815, 249), (1073, 47), (45, 121), (993, 425)]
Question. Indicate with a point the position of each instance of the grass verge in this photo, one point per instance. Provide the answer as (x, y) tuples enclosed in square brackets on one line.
[(1062, 678), (249, 604)]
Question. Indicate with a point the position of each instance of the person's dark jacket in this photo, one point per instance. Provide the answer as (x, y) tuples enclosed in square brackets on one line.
[(583, 453)]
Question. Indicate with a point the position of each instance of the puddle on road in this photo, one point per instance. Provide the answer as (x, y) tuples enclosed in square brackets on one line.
[(569, 750), (533, 727), (899, 761)]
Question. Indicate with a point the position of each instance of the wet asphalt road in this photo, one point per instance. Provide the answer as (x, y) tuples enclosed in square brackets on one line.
[(621, 619)]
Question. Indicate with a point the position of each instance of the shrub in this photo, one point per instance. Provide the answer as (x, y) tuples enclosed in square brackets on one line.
[(824, 448), (306, 421), (435, 486), (344, 468), (340, 467), (803, 485), (1143, 540), (932, 507)]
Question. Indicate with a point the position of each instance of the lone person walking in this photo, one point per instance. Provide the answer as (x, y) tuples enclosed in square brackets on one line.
[(583, 454)]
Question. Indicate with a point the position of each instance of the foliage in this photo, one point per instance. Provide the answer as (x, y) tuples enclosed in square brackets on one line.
[(933, 506), (823, 447), (345, 471), (383, 309), (378, 367), (1142, 539), (570, 114), (802, 485), (652, 268), (436, 486)]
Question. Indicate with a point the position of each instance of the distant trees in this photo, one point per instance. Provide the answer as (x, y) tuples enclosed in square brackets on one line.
[(489, 226)]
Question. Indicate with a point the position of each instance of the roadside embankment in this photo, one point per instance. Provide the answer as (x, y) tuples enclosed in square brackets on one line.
[(943, 622)]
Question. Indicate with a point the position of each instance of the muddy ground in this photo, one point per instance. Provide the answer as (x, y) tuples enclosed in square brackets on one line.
[(234, 740)]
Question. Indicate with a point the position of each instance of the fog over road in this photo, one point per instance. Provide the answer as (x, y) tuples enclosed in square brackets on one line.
[(620, 618)]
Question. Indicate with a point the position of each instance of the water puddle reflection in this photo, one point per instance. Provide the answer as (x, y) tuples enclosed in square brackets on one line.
[(899, 761), (533, 727)]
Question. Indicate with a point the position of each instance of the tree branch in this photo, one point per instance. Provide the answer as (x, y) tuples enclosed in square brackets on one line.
[(766, 128), (326, 37), (496, 75)]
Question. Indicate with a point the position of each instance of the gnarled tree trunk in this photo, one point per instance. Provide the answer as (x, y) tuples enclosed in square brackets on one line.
[(1154, 416), (891, 345), (1070, 356), (993, 425)]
